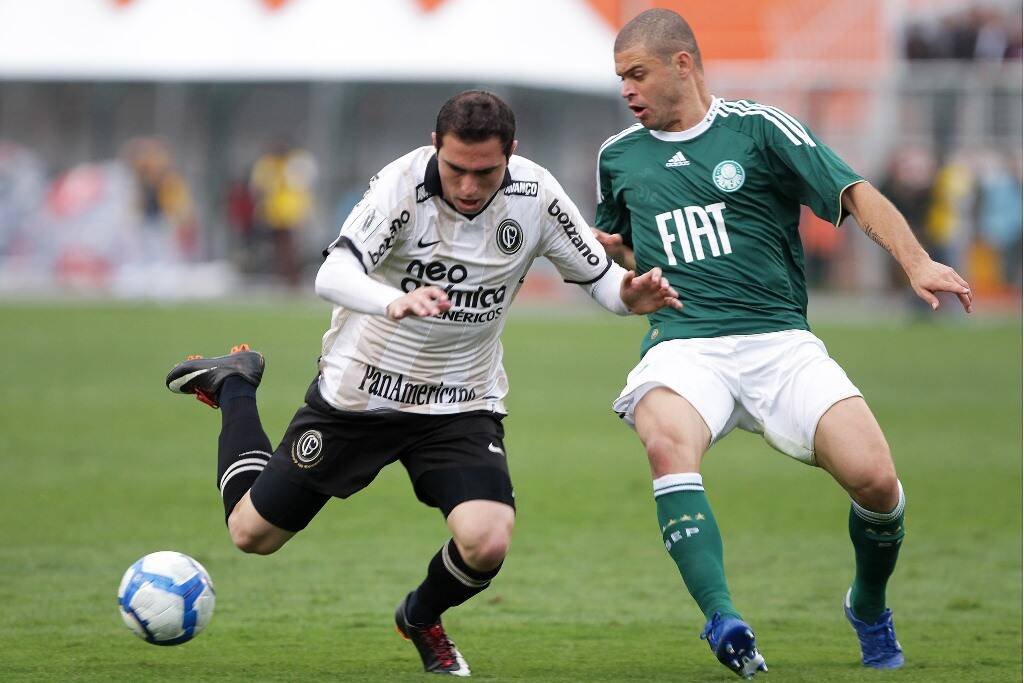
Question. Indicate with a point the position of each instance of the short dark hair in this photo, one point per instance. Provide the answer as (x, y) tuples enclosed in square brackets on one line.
[(662, 32), (476, 116)]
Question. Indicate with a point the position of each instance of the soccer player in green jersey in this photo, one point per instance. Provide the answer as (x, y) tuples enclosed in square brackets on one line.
[(710, 191)]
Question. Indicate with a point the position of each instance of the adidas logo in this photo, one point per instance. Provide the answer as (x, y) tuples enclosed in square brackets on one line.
[(677, 160)]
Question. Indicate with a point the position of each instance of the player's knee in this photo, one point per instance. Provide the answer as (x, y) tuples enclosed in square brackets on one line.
[(668, 454), (248, 540), (489, 555), (487, 550), (878, 489)]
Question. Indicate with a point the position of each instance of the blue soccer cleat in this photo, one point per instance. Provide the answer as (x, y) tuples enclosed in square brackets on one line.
[(879, 648), (732, 641)]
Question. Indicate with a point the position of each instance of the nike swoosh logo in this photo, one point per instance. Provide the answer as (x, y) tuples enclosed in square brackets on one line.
[(177, 384), (423, 245), (494, 449)]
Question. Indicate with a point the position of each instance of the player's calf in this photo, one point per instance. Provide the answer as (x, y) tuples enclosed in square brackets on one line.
[(877, 538), (243, 452), (450, 581)]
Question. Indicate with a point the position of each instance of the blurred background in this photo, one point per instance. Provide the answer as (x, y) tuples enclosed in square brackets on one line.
[(181, 148), (169, 173)]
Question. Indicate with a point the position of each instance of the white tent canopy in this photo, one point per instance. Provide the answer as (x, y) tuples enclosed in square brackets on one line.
[(543, 43)]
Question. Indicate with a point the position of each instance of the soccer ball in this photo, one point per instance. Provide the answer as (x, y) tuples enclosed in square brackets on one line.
[(166, 598)]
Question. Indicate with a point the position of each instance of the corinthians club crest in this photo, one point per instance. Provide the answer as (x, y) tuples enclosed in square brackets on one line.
[(308, 449), (509, 236)]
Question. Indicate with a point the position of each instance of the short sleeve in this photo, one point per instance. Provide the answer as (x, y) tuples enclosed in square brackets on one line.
[(612, 215), (567, 240), (371, 229), (819, 176)]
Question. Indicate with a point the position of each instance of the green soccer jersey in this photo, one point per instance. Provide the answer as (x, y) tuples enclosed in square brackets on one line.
[(717, 208)]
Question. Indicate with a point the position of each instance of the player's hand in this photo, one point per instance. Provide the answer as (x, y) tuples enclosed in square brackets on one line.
[(616, 249), (423, 302), (648, 292), (929, 277)]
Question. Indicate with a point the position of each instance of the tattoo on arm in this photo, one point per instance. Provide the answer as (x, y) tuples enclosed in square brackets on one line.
[(869, 231)]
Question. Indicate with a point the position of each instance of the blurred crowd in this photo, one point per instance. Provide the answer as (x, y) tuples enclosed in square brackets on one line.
[(98, 225), (268, 208), (984, 31), (966, 209), (167, 227), (130, 225)]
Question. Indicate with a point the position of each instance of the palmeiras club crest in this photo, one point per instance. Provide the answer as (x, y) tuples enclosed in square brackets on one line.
[(729, 176)]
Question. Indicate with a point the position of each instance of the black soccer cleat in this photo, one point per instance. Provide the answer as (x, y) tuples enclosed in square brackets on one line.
[(204, 376), (439, 654)]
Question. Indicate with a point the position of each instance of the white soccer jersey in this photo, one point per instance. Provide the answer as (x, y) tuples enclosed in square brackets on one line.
[(407, 236)]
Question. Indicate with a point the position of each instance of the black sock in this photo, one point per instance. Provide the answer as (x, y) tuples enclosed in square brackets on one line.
[(450, 582), (243, 448), (235, 387)]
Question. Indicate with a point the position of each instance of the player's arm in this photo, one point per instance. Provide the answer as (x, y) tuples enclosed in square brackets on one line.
[(571, 245), (815, 175), (616, 248), (342, 281), (366, 239), (612, 219), (883, 223), (623, 292)]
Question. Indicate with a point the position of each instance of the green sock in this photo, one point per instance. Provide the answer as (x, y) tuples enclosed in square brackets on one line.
[(877, 537), (692, 539)]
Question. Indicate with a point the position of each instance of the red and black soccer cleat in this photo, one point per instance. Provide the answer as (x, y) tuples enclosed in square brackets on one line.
[(203, 377), (439, 654)]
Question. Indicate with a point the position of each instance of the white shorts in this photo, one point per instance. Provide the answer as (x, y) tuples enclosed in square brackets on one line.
[(778, 384)]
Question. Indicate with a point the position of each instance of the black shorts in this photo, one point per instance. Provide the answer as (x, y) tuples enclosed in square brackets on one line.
[(334, 453)]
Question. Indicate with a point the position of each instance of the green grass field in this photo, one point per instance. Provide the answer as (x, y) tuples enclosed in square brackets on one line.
[(101, 464)]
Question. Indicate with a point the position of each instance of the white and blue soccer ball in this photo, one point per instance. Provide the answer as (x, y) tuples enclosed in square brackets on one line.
[(166, 598)]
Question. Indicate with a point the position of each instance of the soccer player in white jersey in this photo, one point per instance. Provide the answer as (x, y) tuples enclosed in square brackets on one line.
[(710, 191), (422, 276)]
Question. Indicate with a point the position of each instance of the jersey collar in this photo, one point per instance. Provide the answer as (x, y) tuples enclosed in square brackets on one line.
[(431, 187), (690, 133)]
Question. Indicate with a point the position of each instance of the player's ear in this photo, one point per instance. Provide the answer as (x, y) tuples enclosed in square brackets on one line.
[(512, 149), (433, 139), (683, 62)]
